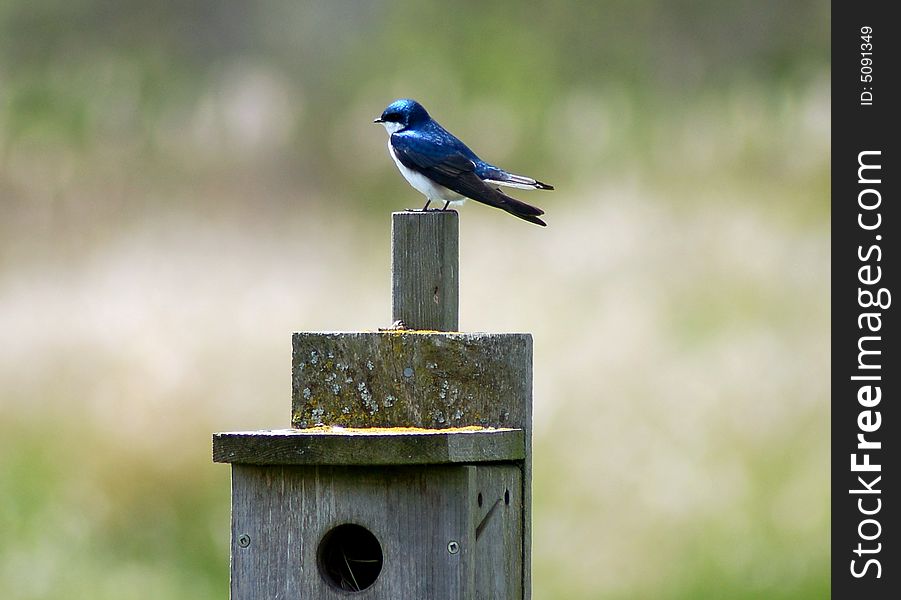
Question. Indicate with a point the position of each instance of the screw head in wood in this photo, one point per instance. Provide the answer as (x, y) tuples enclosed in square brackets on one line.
[(244, 540), (453, 547)]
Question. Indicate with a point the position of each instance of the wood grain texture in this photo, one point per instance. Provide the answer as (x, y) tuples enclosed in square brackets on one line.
[(280, 515), (424, 269), (498, 533), (368, 447), (408, 379)]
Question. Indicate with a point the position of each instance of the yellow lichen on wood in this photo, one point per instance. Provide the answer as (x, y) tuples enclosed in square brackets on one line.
[(338, 430), (410, 378)]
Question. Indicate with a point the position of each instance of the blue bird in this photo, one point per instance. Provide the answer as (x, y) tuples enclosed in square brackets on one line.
[(441, 167)]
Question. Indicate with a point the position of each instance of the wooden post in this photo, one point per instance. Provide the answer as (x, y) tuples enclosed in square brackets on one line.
[(424, 265), (406, 473)]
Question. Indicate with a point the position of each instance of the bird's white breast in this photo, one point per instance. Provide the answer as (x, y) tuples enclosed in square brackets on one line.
[(423, 184)]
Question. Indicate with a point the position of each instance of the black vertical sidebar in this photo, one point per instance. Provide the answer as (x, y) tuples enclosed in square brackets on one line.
[(866, 366)]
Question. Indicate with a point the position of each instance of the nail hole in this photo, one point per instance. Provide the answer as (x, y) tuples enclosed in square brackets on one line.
[(350, 558), (479, 499), (506, 496)]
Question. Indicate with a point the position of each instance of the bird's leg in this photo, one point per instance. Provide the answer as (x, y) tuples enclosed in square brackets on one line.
[(446, 204), (427, 202)]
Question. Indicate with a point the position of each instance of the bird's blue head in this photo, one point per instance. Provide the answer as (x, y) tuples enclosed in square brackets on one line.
[(401, 114)]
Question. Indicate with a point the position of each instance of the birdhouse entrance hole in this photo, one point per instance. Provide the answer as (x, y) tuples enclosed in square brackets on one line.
[(350, 557)]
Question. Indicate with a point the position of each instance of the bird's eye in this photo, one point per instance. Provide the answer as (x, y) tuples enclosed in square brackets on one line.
[(392, 117)]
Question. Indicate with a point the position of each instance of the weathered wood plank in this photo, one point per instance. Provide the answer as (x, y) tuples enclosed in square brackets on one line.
[(496, 501), (281, 514), (436, 539), (424, 269), (409, 379), (337, 446)]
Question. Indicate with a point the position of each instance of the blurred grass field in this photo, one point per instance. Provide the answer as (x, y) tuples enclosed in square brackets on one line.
[(183, 186)]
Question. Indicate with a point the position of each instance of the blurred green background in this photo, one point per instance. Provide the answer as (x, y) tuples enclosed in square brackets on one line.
[(183, 184)]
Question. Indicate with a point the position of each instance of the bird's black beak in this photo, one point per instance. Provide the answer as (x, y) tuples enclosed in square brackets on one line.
[(378, 120)]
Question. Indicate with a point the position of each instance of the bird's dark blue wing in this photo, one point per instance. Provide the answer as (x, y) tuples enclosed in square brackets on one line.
[(447, 165), (435, 159)]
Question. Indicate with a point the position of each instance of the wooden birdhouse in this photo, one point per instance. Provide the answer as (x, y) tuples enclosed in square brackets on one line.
[(406, 471)]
